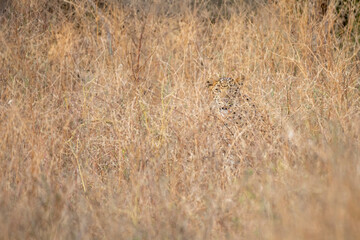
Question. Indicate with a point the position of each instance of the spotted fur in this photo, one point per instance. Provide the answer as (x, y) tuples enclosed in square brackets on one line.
[(232, 104)]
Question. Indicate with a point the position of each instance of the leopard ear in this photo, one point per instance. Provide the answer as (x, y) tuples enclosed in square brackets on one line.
[(240, 80), (210, 83)]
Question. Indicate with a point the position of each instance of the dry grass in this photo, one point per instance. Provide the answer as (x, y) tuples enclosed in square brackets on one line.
[(106, 130)]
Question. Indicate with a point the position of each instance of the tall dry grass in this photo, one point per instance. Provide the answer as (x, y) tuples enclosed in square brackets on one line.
[(106, 130)]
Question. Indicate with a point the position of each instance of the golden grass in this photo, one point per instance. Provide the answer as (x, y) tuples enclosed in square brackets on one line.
[(106, 130)]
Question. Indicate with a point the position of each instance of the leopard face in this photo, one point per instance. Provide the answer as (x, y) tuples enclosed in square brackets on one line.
[(231, 102), (225, 91)]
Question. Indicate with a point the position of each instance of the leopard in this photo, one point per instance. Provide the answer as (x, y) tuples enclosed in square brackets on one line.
[(231, 102), (241, 124)]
